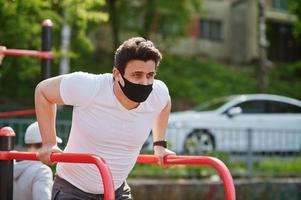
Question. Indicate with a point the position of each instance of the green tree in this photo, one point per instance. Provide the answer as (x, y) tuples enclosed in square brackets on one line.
[(167, 17), (295, 8), (20, 28)]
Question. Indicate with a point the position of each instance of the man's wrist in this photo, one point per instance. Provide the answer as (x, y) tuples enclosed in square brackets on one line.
[(161, 143), (49, 144)]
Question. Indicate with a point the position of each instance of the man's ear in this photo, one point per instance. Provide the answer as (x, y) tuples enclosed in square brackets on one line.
[(115, 72), (117, 76)]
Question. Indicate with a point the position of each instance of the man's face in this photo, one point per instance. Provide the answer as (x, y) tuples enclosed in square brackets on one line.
[(140, 72)]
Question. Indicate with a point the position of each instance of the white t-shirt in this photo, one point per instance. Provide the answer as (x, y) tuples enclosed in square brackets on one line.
[(102, 126)]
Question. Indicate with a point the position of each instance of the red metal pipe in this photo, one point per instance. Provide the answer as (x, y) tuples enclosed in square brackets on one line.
[(222, 169), (229, 188), (18, 113), (105, 172), (30, 53)]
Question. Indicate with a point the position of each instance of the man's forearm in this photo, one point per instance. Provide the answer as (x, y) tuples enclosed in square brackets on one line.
[(160, 124), (46, 115)]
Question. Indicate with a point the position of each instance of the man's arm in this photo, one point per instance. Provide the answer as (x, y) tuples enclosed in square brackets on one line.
[(159, 132), (47, 96)]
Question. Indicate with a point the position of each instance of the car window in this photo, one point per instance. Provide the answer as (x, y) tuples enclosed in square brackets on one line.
[(213, 104), (281, 107), (253, 106), (267, 106)]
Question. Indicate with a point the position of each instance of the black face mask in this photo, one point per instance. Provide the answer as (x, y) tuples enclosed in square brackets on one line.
[(136, 92)]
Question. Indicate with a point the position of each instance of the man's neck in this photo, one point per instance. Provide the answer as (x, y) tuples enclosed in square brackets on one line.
[(124, 101)]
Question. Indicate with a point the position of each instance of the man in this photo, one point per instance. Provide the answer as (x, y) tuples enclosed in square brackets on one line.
[(113, 115), (32, 179)]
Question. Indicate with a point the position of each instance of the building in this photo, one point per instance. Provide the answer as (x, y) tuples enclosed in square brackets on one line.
[(228, 30)]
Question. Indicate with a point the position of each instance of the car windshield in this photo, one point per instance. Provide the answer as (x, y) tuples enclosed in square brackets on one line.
[(213, 104)]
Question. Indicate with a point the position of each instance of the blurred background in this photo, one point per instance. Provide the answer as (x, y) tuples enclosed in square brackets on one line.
[(215, 52)]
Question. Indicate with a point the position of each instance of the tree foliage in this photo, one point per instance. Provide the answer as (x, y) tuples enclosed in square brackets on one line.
[(20, 23), (20, 28), (142, 17), (295, 8)]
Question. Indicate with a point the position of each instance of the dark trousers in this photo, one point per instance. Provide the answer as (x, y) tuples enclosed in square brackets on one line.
[(63, 190)]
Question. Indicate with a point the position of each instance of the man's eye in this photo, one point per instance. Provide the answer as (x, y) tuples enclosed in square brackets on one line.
[(136, 75), (151, 75)]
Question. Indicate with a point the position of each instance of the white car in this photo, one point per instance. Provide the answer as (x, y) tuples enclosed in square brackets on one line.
[(257, 122)]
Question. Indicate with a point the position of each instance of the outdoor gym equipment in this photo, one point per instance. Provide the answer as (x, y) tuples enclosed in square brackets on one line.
[(7, 155), (45, 54)]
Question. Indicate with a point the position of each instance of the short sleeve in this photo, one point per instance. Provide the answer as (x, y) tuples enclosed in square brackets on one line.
[(161, 92), (79, 88)]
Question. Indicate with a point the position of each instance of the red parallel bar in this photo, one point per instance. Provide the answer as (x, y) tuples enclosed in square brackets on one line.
[(18, 113), (30, 53), (103, 168), (222, 169)]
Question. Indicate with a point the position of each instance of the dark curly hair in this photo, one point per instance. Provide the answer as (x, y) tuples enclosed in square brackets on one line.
[(136, 48)]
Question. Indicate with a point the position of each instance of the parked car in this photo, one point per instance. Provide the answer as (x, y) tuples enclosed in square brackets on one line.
[(260, 122)]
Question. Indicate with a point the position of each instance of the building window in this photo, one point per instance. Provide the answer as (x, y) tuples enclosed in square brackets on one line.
[(210, 29), (280, 4)]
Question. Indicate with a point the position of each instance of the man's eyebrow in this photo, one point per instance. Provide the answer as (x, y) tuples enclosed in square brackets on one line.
[(137, 72), (141, 72)]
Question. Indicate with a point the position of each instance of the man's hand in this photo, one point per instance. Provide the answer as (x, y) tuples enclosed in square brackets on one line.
[(45, 153), (161, 152)]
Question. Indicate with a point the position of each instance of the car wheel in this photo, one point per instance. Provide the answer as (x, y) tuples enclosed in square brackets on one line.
[(199, 141)]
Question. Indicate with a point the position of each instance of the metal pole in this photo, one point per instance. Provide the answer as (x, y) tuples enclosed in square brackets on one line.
[(46, 47), (100, 163), (7, 139), (221, 168), (24, 52), (17, 113), (264, 64), (65, 38), (250, 153)]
